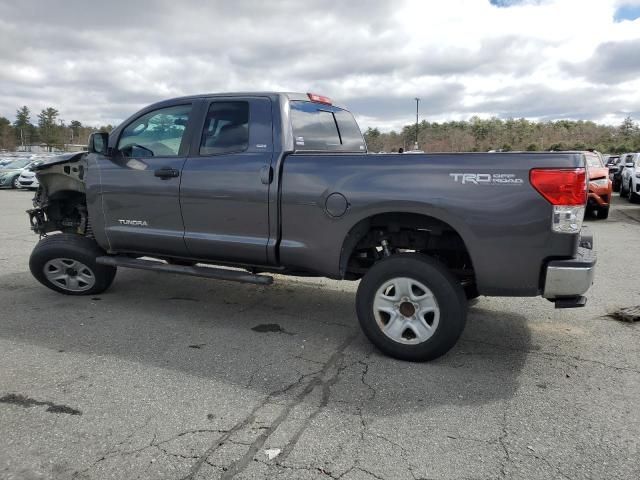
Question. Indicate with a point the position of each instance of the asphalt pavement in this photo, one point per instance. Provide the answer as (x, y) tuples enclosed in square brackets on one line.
[(171, 377)]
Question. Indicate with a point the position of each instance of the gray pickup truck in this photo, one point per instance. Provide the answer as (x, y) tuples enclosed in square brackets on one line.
[(238, 186)]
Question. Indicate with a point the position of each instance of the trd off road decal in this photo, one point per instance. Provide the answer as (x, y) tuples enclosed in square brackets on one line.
[(487, 178)]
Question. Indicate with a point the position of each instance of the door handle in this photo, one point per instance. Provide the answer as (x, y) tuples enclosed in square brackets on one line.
[(266, 175), (166, 172)]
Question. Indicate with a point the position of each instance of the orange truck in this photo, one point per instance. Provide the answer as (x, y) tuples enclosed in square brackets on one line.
[(600, 186)]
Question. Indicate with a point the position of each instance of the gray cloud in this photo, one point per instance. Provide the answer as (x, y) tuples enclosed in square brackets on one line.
[(436, 101), (537, 101), (98, 63), (611, 63)]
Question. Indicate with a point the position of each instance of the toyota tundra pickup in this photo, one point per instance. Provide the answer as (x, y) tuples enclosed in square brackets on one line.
[(241, 186)]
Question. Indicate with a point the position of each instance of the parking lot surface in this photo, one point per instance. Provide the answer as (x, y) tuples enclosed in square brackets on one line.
[(170, 377)]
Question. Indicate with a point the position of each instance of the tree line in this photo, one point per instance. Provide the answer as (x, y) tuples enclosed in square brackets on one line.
[(474, 135), (481, 135), (47, 129)]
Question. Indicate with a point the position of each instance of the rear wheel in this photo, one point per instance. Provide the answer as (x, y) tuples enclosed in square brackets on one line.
[(603, 212), (67, 264), (633, 196), (15, 183), (615, 185), (623, 193), (411, 307)]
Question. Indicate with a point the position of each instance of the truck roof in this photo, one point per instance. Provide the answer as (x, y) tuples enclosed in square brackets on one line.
[(288, 95), (271, 94)]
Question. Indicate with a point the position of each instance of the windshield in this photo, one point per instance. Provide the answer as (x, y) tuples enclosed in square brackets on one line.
[(17, 164)]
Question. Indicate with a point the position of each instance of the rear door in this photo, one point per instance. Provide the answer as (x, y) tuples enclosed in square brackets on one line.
[(226, 179), (140, 182)]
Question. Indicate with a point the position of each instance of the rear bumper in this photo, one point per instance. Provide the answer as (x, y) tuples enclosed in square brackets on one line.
[(565, 279)]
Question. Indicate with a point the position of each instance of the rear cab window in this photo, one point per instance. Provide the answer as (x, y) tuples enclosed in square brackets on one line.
[(320, 127), (594, 161)]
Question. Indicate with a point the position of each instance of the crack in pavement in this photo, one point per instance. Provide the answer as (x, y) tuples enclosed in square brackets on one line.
[(319, 470), (630, 217), (316, 379), (561, 356), (114, 452), (326, 392), (549, 464), (502, 441)]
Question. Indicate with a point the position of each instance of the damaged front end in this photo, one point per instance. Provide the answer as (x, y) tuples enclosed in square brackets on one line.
[(60, 202)]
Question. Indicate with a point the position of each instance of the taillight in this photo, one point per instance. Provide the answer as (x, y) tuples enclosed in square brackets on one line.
[(561, 187), (566, 190), (314, 97)]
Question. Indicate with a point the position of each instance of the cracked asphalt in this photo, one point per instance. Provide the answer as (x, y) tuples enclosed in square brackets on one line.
[(168, 377)]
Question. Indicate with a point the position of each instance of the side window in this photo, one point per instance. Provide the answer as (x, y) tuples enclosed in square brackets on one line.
[(226, 128), (155, 134)]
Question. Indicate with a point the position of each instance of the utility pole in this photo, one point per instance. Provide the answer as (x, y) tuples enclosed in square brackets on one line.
[(417, 103)]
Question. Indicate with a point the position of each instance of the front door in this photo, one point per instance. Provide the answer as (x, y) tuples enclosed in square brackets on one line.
[(140, 183), (226, 179)]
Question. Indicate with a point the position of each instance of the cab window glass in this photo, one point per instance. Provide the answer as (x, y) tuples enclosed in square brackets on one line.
[(226, 128), (324, 127), (594, 161), (155, 134)]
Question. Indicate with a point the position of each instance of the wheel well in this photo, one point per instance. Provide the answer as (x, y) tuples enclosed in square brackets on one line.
[(385, 234)]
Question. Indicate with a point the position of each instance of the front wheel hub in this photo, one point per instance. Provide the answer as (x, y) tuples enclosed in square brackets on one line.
[(69, 274)]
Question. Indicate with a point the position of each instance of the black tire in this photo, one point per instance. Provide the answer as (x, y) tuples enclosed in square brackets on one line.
[(65, 246), (446, 289), (15, 184), (603, 212), (633, 196), (623, 194), (615, 186)]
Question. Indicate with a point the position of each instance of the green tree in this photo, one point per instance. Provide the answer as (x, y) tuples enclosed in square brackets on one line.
[(50, 132), (627, 128), (372, 137), (24, 129), (7, 135)]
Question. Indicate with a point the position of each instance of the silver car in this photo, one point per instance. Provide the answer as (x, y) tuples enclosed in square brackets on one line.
[(28, 179)]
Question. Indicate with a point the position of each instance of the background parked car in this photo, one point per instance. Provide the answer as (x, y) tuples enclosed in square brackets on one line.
[(599, 186), (9, 173), (615, 170), (630, 186), (27, 178)]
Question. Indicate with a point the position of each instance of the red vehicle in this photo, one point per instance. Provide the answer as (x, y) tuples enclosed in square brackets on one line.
[(600, 186)]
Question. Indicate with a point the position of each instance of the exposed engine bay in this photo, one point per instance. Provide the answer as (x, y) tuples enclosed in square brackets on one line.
[(60, 202)]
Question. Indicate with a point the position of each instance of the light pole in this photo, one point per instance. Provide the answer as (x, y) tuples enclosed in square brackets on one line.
[(416, 144)]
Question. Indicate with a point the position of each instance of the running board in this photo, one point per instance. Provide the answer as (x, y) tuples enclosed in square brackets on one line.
[(206, 272)]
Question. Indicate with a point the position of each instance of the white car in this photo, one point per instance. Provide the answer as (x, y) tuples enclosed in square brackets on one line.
[(28, 179), (630, 181)]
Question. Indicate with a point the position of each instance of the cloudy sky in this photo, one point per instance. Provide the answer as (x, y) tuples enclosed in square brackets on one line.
[(99, 61)]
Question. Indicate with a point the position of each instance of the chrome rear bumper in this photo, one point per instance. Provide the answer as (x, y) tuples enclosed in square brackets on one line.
[(572, 277)]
